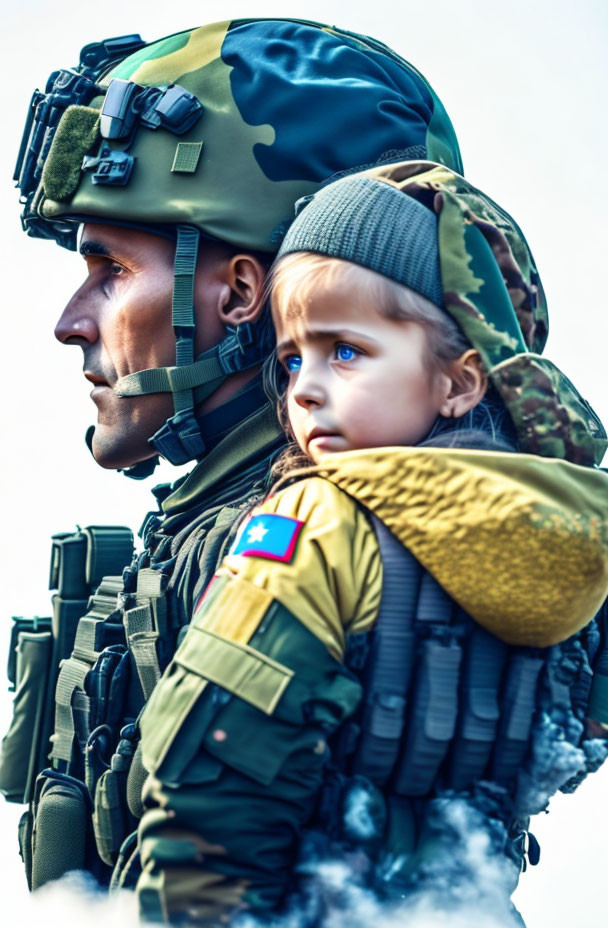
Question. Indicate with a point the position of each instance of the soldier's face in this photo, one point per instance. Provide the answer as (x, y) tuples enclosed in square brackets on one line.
[(356, 379), (121, 318)]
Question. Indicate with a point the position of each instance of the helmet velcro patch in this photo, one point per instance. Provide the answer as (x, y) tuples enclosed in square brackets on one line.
[(76, 136), (186, 157)]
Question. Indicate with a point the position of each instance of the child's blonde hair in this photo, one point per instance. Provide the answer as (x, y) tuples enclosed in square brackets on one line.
[(297, 276)]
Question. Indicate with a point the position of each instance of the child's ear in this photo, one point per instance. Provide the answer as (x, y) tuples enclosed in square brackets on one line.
[(468, 382)]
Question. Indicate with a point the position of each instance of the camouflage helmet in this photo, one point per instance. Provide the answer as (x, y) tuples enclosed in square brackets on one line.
[(474, 262), (223, 127), (216, 131)]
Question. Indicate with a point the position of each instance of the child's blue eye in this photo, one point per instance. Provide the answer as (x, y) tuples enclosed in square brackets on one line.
[(293, 362), (345, 352)]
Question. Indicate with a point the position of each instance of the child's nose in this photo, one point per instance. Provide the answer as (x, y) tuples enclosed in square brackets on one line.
[(309, 390)]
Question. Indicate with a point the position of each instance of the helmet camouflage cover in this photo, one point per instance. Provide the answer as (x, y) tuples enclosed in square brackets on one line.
[(223, 127)]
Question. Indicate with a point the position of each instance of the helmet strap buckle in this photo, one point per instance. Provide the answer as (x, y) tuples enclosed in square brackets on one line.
[(179, 440)]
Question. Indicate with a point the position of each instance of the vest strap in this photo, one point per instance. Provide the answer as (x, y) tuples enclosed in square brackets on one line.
[(391, 660)]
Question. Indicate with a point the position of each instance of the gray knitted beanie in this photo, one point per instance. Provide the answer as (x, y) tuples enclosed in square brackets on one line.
[(373, 224)]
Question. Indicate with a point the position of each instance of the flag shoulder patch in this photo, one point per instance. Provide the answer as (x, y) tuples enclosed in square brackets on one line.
[(269, 536)]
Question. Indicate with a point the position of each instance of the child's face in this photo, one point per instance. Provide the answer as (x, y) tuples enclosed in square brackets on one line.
[(356, 378)]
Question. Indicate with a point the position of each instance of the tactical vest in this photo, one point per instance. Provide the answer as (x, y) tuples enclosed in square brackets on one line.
[(448, 711), (81, 678), (451, 712)]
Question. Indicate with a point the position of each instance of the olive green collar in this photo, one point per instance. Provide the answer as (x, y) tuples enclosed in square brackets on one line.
[(252, 438)]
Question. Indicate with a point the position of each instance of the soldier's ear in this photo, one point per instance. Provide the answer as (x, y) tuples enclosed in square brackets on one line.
[(243, 297), (466, 384)]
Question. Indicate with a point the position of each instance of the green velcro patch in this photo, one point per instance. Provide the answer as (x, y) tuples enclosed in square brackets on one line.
[(76, 135), (238, 668), (186, 157)]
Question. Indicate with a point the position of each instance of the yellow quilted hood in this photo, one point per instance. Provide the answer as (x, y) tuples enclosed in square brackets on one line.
[(519, 541)]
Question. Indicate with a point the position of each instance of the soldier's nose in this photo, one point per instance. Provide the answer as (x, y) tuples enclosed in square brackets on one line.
[(76, 327)]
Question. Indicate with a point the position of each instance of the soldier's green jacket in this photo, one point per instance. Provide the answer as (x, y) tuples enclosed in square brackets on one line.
[(234, 734)]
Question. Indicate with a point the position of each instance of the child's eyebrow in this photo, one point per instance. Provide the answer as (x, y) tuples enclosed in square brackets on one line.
[(321, 334), (286, 343)]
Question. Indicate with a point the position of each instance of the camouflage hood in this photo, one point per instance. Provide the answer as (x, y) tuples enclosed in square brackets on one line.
[(489, 283), (223, 127)]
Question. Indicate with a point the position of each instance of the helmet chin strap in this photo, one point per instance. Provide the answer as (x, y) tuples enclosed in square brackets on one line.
[(190, 381)]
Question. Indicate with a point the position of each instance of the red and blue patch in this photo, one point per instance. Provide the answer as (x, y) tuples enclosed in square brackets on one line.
[(269, 536)]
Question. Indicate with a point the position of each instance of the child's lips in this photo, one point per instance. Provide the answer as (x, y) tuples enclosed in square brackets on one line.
[(322, 438)]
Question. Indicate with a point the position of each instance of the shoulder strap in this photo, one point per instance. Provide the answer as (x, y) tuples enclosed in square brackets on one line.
[(390, 661)]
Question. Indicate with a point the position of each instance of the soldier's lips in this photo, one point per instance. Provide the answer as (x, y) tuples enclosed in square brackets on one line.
[(96, 379), (99, 391), (100, 384)]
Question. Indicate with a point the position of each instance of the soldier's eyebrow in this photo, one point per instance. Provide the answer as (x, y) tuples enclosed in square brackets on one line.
[(90, 248)]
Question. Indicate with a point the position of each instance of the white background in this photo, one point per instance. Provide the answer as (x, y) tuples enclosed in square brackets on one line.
[(525, 86)]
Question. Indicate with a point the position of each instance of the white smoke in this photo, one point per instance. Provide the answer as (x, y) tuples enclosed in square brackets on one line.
[(564, 890), (454, 894), (74, 901), (556, 762), (358, 818), (465, 882)]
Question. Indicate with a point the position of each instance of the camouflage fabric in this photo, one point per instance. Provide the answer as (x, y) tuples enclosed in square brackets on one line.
[(263, 140), (493, 291)]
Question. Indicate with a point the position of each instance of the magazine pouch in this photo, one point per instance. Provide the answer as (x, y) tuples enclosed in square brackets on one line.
[(25, 746), (61, 831)]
